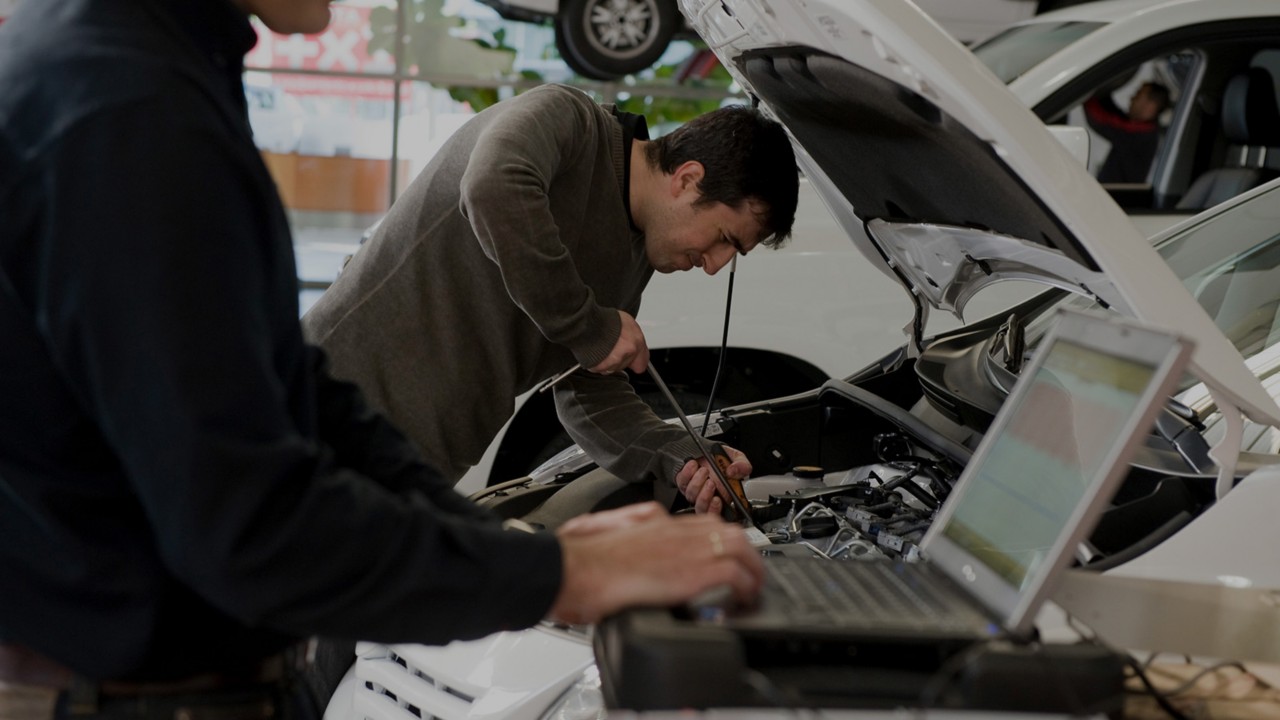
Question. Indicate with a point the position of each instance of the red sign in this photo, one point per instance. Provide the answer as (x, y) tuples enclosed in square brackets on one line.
[(341, 48)]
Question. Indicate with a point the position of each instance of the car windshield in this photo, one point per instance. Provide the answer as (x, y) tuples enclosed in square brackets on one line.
[(1012, 52), (1230, 262)]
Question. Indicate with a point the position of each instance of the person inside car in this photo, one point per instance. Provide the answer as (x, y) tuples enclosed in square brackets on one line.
[(1134, 135)]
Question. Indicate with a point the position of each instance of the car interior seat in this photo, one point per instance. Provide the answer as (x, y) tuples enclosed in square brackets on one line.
[(1251, 123)]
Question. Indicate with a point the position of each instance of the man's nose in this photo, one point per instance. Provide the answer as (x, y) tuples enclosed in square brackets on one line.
[(717, 258)]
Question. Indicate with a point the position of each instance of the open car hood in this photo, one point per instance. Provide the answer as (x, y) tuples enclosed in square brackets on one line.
[(940, 175)]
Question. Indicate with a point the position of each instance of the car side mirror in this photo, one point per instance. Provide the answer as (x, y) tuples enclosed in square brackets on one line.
[(1075, 139)]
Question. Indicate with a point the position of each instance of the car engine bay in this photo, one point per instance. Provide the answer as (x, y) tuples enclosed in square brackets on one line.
[(860, 467)]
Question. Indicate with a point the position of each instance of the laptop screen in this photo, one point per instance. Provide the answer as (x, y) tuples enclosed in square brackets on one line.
[(1036, 473), (1051, 460)]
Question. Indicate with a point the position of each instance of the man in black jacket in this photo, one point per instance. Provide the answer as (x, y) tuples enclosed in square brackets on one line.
[(1134, 134), (184, 490)]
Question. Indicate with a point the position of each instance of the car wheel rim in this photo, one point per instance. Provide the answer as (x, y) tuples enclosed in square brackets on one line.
[(621, 28)]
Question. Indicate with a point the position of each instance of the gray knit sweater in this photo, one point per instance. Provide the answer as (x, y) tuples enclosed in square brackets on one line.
[(502, 264)]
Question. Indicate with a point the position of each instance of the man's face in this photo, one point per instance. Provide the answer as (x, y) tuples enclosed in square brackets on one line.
[(1143, 105), (683, 236), (289, 16), (706, 236)]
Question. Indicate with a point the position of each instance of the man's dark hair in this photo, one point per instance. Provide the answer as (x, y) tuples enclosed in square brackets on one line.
[(745, 155), (1158, 93)]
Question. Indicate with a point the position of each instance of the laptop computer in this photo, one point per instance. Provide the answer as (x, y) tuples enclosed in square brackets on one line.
[(1042, 475)]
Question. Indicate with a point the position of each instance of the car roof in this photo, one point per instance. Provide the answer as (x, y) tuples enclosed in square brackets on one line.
[(1111, 11), (1124, 23)]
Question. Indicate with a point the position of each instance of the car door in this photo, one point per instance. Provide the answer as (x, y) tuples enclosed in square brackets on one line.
[(1196, 64)]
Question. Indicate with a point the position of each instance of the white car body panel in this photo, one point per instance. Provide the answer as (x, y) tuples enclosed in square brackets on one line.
[(972, 20), (1244, 520), (1127, 22), (510, 675)]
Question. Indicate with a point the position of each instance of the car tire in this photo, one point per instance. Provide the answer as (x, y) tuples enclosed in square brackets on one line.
[(606, 39)]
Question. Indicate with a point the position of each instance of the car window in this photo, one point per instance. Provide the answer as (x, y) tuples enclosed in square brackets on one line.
[(1211, 140), (1128, 118), (1012, 52), (1231, 264), (1242, 296)]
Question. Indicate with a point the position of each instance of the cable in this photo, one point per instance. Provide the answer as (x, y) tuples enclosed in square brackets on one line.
[(724, 348), (1138, 669), (1158, 696), (1186, 659), (1191, 682), (1166, 530), (894, 483), (922, 495)]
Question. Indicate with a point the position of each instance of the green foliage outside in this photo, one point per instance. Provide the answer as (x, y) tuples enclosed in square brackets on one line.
[(431, 48), (665, 110)]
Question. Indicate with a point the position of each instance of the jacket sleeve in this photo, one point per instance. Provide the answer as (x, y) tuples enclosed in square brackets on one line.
[(166, 308), (1106, 118), (505, 198), (605, 416)]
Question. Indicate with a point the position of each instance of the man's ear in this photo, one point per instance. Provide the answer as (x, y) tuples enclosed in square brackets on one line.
[(686, 177)]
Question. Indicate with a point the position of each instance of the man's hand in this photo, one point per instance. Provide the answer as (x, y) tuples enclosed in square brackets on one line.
[(617, 519), (630, 351), (697, 481), (641, 556)]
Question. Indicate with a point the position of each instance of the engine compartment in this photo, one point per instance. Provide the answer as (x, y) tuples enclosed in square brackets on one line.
[(857, 467), (865, 475)]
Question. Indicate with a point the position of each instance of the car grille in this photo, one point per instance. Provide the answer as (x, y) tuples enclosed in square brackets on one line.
[(392, 688)]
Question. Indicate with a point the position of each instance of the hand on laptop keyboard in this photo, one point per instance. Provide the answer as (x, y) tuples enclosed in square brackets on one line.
[(640, 555)]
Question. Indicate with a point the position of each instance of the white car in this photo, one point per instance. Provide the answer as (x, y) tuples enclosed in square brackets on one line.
[(812, 310), (1207, 53), (946, 184), (606, 39)]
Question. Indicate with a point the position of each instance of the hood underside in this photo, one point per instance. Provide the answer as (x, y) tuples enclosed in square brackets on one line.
[(911, 172), (940, 174)]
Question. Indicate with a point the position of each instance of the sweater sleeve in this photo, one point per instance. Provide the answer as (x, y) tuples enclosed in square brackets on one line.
[(504, 193), (1106, 118), (166, 311), (365, 441), (605, 416)]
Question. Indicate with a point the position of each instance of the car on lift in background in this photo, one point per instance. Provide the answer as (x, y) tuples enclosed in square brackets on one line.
[(606, 39)]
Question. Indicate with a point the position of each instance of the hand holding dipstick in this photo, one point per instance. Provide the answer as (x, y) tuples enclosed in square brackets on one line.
[(714, 453)]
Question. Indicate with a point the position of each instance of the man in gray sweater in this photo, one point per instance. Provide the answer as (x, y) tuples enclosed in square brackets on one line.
[(524, 247)]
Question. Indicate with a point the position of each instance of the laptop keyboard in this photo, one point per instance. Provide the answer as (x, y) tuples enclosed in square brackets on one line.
[(860, 592)]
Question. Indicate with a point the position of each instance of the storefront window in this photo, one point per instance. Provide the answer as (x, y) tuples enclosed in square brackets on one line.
[(346, 118)]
